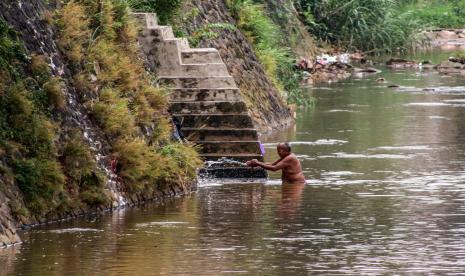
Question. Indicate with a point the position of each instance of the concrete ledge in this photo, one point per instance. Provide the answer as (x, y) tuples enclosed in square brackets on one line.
[(210, 82), (201, 55), (204, 107), (214, 134), (240, 157), (215, 120), (214, 94), (229, 147), (233, 173)]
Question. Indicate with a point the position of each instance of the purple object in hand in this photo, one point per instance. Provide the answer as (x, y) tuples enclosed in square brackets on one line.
[(262, 148)]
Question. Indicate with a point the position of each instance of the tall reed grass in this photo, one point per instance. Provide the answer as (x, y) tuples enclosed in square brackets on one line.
[(368, 25), (436, 13)]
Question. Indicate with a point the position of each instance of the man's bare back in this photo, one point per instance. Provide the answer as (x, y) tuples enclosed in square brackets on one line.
[(292, 170), (288, 163)]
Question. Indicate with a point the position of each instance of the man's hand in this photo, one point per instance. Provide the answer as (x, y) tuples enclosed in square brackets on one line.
[(252, 163)]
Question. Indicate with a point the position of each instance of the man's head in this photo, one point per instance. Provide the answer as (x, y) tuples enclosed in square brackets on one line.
[(284, 149)]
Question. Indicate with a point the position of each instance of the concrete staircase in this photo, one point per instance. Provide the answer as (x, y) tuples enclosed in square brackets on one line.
[(204, 96)]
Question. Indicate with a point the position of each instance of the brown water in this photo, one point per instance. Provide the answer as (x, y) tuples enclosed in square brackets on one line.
[(385, 195)]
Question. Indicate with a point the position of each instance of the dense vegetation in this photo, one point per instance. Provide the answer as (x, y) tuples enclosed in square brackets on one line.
[(378, 25), (50, 162), (436, 13), (51, 176), (122, 97), (368, 25), (266, 38), (165, 9)]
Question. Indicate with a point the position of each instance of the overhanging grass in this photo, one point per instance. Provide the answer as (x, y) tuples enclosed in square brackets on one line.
[(29, 153), (266, 38), (122, 98)]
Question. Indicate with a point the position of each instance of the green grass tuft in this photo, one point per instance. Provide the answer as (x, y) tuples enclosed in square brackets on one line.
[(266, 39)]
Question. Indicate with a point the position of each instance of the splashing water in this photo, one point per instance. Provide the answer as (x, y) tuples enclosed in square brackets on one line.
[(226, 168), (224, 162)]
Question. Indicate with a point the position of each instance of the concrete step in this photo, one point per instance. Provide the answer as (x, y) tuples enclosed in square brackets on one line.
[(196, 70), (204, 107), (164, 35), (159, 32), (225, 82), (240, 157), (181, 44), (224, 134), (184, 44), (219, 94), (201, 55), (215, 120), (231, 173), (228, 147), (147, 19), (166, 32)]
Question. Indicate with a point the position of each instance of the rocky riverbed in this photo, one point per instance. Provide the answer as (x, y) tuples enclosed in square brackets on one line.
[(447, 39)]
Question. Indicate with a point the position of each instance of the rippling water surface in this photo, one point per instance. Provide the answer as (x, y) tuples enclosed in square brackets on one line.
[(385, 195)]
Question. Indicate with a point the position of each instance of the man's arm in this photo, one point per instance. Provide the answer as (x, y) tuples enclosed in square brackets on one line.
[(277, 161), (278, 165)]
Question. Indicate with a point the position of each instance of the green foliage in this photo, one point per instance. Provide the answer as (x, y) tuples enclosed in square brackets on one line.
[(436, 13), (76, 158), (40, 181), (39, 67), (112, 113), (75, 32), (121, 96), (24, 124), (28, 136), (17, 210), (10, 50), (114, 67), (185, 157), (291, 78), (141, 166), (53, 89), (369, 25), (94, 197), (80, 168), (165, 9), (209, 31), (266, 38)]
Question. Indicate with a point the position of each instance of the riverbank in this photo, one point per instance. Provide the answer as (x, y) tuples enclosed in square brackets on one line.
[(10, 232)]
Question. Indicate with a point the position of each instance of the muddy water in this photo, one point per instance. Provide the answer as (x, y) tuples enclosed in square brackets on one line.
[(385, 195)]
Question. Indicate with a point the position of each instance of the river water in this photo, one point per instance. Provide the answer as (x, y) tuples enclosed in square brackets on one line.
[(385, 195)]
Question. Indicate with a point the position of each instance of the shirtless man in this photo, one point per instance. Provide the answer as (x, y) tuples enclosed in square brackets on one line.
[(288, 163)]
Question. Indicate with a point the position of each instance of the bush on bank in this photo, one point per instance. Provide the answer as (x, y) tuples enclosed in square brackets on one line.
[(48, 160), (50, 175), (123, 99)]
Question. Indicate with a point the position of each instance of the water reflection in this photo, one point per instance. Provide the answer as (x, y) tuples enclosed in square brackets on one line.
[(8, 259), (291, 196)]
